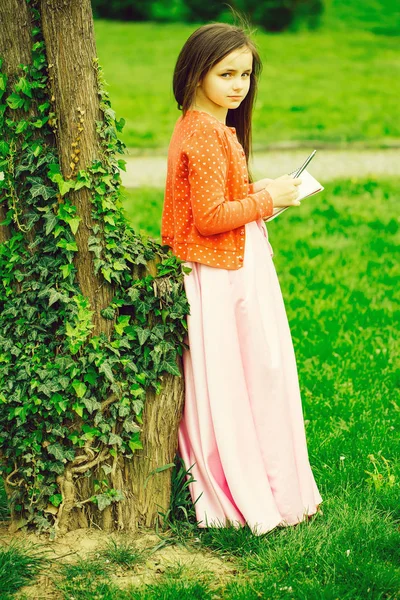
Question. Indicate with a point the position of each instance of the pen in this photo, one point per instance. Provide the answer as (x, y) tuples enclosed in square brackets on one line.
[(303, 166)]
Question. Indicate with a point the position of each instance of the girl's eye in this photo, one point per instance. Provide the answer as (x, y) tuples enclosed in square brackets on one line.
[(223, 74)]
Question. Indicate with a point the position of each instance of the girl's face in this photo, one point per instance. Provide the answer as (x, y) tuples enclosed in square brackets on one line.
[(228, 82)]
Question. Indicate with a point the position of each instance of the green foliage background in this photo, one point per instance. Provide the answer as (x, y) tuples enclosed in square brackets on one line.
[(331, 87), (272, 15)]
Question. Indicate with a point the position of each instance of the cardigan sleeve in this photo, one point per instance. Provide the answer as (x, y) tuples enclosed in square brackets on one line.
[(213, 213)]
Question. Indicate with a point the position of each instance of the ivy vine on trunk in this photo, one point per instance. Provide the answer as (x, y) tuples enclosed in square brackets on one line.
[(92, 316)]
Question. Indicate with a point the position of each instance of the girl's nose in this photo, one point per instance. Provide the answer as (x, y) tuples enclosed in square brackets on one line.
[(238, 86)]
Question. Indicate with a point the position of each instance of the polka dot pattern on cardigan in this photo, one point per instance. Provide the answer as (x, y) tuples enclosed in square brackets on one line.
[(208, 198)]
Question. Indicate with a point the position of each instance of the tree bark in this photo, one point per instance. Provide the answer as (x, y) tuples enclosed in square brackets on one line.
[(15, 49), (71, 54), (142, 505)]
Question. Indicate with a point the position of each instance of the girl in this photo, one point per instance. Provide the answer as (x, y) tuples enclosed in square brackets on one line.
[(242, 428)]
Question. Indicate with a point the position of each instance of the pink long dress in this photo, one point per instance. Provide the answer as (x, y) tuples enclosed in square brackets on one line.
[(243, 426)]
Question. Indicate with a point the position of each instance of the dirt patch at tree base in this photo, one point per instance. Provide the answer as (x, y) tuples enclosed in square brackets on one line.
[(86, 544)]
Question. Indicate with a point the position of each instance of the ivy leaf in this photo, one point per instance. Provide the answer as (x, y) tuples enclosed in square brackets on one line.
[(3, 82), (82, 180), (78, 408), (54, 172), (123, 411), (46, 389), (108, 313), (138, 392), (130, 426), (65, 186), (56, 450), (100, 189), (39, 122), (96, 250), (23, 86), (133, 294), (123, 322), (97, 168), (103, 501), (142, 334), (80, 388), (158, 331), (106, 369), (38, 189), (56, 430), (119, 266), (42, 107), (115, 439), (64, 381), (36, 149), (57, 467), (59, 402), (67, 245), (90, 432), (51, 221), (91, 377), (110, 113), (4, 149), (135, 443), (119, 125), (109, 219), (141, 378), (54, 296), (66, 269), (22, 125), (91, 404), (132, 366), (15, 101), (74, 224), (56, 499), (170, 367), (137, 406), (106, 274)]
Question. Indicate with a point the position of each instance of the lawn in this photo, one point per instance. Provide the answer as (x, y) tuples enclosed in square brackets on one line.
[(336, 259), (333, 86), (337, 264)]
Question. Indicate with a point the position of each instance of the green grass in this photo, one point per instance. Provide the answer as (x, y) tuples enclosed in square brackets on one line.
[(336, 261), (124, 554), (87, 579), (19, 564), (327, 86), (337, 265)]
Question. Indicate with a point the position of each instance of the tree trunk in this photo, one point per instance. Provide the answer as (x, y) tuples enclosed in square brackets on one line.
[(72, 66), (71, 55), (15, 48), (142, 504)]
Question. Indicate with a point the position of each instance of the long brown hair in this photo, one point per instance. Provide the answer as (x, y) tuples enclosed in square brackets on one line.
[(206, 47)]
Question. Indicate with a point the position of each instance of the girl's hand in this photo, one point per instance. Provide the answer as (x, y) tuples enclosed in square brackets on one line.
[(261, 184), (283, 191)]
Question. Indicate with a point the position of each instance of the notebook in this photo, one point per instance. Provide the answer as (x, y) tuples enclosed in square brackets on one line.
[(308, 187)]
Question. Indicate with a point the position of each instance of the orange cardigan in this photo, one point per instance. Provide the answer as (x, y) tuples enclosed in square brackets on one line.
[(208, 198)]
